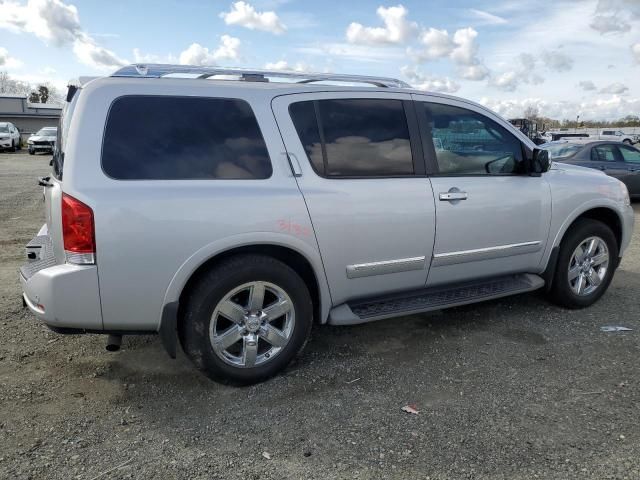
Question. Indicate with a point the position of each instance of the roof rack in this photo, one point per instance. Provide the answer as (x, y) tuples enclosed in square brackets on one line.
[(161, 70)]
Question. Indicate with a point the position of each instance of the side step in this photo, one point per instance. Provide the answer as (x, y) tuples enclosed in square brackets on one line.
[(435, 298)]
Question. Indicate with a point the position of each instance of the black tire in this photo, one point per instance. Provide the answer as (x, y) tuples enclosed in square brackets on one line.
[(561, 292), (628, 142), (13, 146), (212, 287), (31, 152)]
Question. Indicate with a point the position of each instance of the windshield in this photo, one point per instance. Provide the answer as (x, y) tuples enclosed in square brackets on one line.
[(4, 128), (47, 132), (562, 150)]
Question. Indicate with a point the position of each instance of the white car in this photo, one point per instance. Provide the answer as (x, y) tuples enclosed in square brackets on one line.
[(617, 136), (9, 136), (43, 141)]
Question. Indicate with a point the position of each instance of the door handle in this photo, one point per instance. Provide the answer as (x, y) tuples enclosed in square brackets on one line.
[(452, 196), (293, 163)]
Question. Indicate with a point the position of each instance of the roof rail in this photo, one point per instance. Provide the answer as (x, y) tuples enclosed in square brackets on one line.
[(161, 70)]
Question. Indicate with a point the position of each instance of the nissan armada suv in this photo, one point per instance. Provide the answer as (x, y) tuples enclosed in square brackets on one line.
[(228, 215)]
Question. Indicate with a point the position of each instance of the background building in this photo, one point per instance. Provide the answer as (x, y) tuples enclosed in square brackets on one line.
[(28, 117)]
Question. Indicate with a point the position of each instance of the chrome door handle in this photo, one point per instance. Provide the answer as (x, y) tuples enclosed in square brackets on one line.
[(452, 196)]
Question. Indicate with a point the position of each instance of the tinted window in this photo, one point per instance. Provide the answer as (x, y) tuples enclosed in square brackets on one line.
[(306, 122), (630, 154), (468, 143), (183, 138), (604, 153), (356, 137), (562, 150)]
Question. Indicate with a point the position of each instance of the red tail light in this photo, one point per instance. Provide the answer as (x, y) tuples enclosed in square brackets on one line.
[(78, 231)]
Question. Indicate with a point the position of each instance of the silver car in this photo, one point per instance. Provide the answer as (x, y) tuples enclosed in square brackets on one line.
[(230, 215)]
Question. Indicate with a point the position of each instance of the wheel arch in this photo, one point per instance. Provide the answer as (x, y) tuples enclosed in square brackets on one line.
[(296, 253), (607, 214)]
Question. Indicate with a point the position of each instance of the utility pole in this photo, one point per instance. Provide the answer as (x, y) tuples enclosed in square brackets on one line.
[(577, 119)]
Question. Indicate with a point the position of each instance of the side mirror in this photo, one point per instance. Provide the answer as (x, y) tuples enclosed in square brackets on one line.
[(539, 162)]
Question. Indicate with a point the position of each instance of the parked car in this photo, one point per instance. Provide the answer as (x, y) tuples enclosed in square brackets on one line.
[(43, 141), (227, 216), (617, 136), (615, 159), (9, 137)]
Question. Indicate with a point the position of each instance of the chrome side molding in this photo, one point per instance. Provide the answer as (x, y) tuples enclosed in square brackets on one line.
[(462, 256), (385, 267)]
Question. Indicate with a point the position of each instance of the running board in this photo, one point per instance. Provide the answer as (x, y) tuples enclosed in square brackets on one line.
[(435, 298)]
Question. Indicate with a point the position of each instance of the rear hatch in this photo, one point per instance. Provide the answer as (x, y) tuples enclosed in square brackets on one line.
[(53, 184)]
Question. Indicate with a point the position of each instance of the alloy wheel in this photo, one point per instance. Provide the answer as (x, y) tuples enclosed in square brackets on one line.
[(252, 324), (588, 266)]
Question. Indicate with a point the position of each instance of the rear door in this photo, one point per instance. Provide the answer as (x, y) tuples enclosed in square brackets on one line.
[(631, 158), (491, 218), (607, 158), (362, 174)]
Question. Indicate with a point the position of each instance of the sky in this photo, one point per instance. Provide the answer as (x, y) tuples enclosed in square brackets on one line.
[(566, 57)]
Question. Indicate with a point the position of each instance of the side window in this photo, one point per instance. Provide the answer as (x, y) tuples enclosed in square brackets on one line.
[(468, 143), (355, 137), (603, 153), (630, 154), (306, 123), (171, 138)]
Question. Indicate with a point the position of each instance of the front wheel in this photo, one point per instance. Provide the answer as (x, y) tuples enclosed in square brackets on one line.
[(586, 263), (246, 319)]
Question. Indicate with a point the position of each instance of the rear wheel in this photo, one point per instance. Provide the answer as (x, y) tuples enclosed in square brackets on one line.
[(246, 319), (628, 142), (586, 263)]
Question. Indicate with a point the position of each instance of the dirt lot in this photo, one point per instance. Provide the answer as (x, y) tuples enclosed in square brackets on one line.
[(511, 389)]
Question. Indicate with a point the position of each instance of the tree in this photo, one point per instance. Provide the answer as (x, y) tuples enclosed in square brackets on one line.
[(34, 97), (43, 92), (531, 113), (13, 87)]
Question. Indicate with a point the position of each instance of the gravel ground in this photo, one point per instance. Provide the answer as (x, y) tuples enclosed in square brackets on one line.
[(510, 389)]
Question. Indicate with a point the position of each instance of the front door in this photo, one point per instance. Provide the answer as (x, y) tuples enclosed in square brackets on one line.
[(363, 178), (491, 218)]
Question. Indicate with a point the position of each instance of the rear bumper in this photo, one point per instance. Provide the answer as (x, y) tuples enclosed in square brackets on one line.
[(61, 296)]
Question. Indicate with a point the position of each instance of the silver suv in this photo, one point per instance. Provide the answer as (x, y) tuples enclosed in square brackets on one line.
[(229, 215)]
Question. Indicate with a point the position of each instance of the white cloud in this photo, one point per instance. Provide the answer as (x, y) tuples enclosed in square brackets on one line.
[(465, 50), (284, 65), (93, 55), (245, 15), (474, 72), (635, 50), (428, 82), (557, 61), (358, 53), (50, 20), (397, 29), (487, 18), (461, 49), (609, 24), (7, 61), (615, 88), (196, 54), (524, 72), (615, 16), (437, 44), (611, 108), (587, 85), (507, 81), (58, 23)]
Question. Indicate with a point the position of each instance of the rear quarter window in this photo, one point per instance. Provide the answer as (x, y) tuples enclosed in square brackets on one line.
[(179, 138)]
